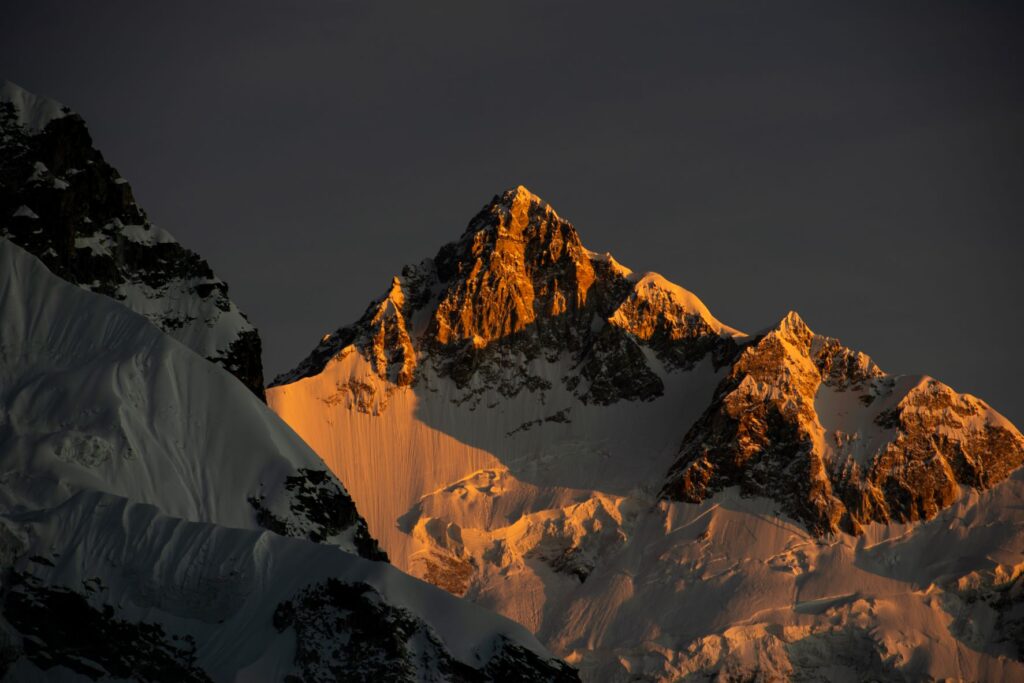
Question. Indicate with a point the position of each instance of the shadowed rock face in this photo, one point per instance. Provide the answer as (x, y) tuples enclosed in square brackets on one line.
[(61, 201), (63, 627), (519, 287), (316, 507), (387, 643), (915, 443)]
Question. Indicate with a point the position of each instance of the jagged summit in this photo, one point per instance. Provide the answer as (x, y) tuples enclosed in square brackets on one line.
[(536, 427), (510, 211), (793, 323), (519, 304), (519, 283), (839, 443), (519, 197)]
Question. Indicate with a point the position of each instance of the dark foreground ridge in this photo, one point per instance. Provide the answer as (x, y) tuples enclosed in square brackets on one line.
[(61, 201)]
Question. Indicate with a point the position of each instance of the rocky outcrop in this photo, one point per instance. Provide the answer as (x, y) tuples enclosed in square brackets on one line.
[(314, 505), (60, 626), (104, 588), (61, 201), (389, 643), (899, 453), (519, 288)]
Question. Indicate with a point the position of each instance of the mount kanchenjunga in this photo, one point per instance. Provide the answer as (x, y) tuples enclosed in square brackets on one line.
[(653, 493), (519, 287), (60, 200), (158, 522)]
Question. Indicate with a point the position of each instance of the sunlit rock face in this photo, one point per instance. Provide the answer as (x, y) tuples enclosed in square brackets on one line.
[(61, 201), (517, 265), (519, 287), (656, 495), (895, 449)]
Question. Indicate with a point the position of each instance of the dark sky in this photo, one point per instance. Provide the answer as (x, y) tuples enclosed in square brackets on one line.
[(861, 163)]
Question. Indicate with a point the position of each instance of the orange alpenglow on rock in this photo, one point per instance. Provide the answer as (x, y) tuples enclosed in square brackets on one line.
[(590, 452)]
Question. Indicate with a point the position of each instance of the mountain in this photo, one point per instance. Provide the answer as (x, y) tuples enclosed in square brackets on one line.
[(839, 443), (159, 523), (657, 495), (60, 200)]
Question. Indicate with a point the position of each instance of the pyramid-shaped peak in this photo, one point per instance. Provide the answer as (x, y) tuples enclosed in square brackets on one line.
[(513, 211), (518, 195), (792, 318), (520, 199), (792, 324)]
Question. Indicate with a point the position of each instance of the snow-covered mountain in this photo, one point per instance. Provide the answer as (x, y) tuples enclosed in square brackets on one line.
[(60, 200), (159, 522), (655, 494)]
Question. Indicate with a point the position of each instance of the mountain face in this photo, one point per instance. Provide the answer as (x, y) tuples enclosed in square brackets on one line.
[(657, 495), (518, 287), (158, 522), (838, 443), (60, 200)]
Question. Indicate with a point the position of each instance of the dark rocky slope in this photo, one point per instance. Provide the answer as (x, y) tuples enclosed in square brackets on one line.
[(60, 200)]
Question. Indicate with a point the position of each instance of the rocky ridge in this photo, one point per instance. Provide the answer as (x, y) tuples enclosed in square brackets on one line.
[(898, 450), (658, 496), (519, 288), (60, 200)]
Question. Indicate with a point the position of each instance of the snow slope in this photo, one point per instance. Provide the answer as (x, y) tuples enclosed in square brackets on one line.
[(33, 111), (461, 413), (95, 397), (146, 505)]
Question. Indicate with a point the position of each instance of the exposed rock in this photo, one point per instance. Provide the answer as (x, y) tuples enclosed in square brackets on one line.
[(387, 643), (763, 433), (445, 571), (472, 484), (61, 201), (318, 508), (61, 629), (131, 594), (519, 288)]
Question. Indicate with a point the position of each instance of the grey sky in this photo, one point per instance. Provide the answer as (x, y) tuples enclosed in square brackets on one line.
[(858, 162)]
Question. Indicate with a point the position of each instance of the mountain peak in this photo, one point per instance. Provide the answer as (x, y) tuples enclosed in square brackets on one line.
[(519, 195), (517, 262), (520, 192), (513, 212), (519, 281), (793, 325)]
